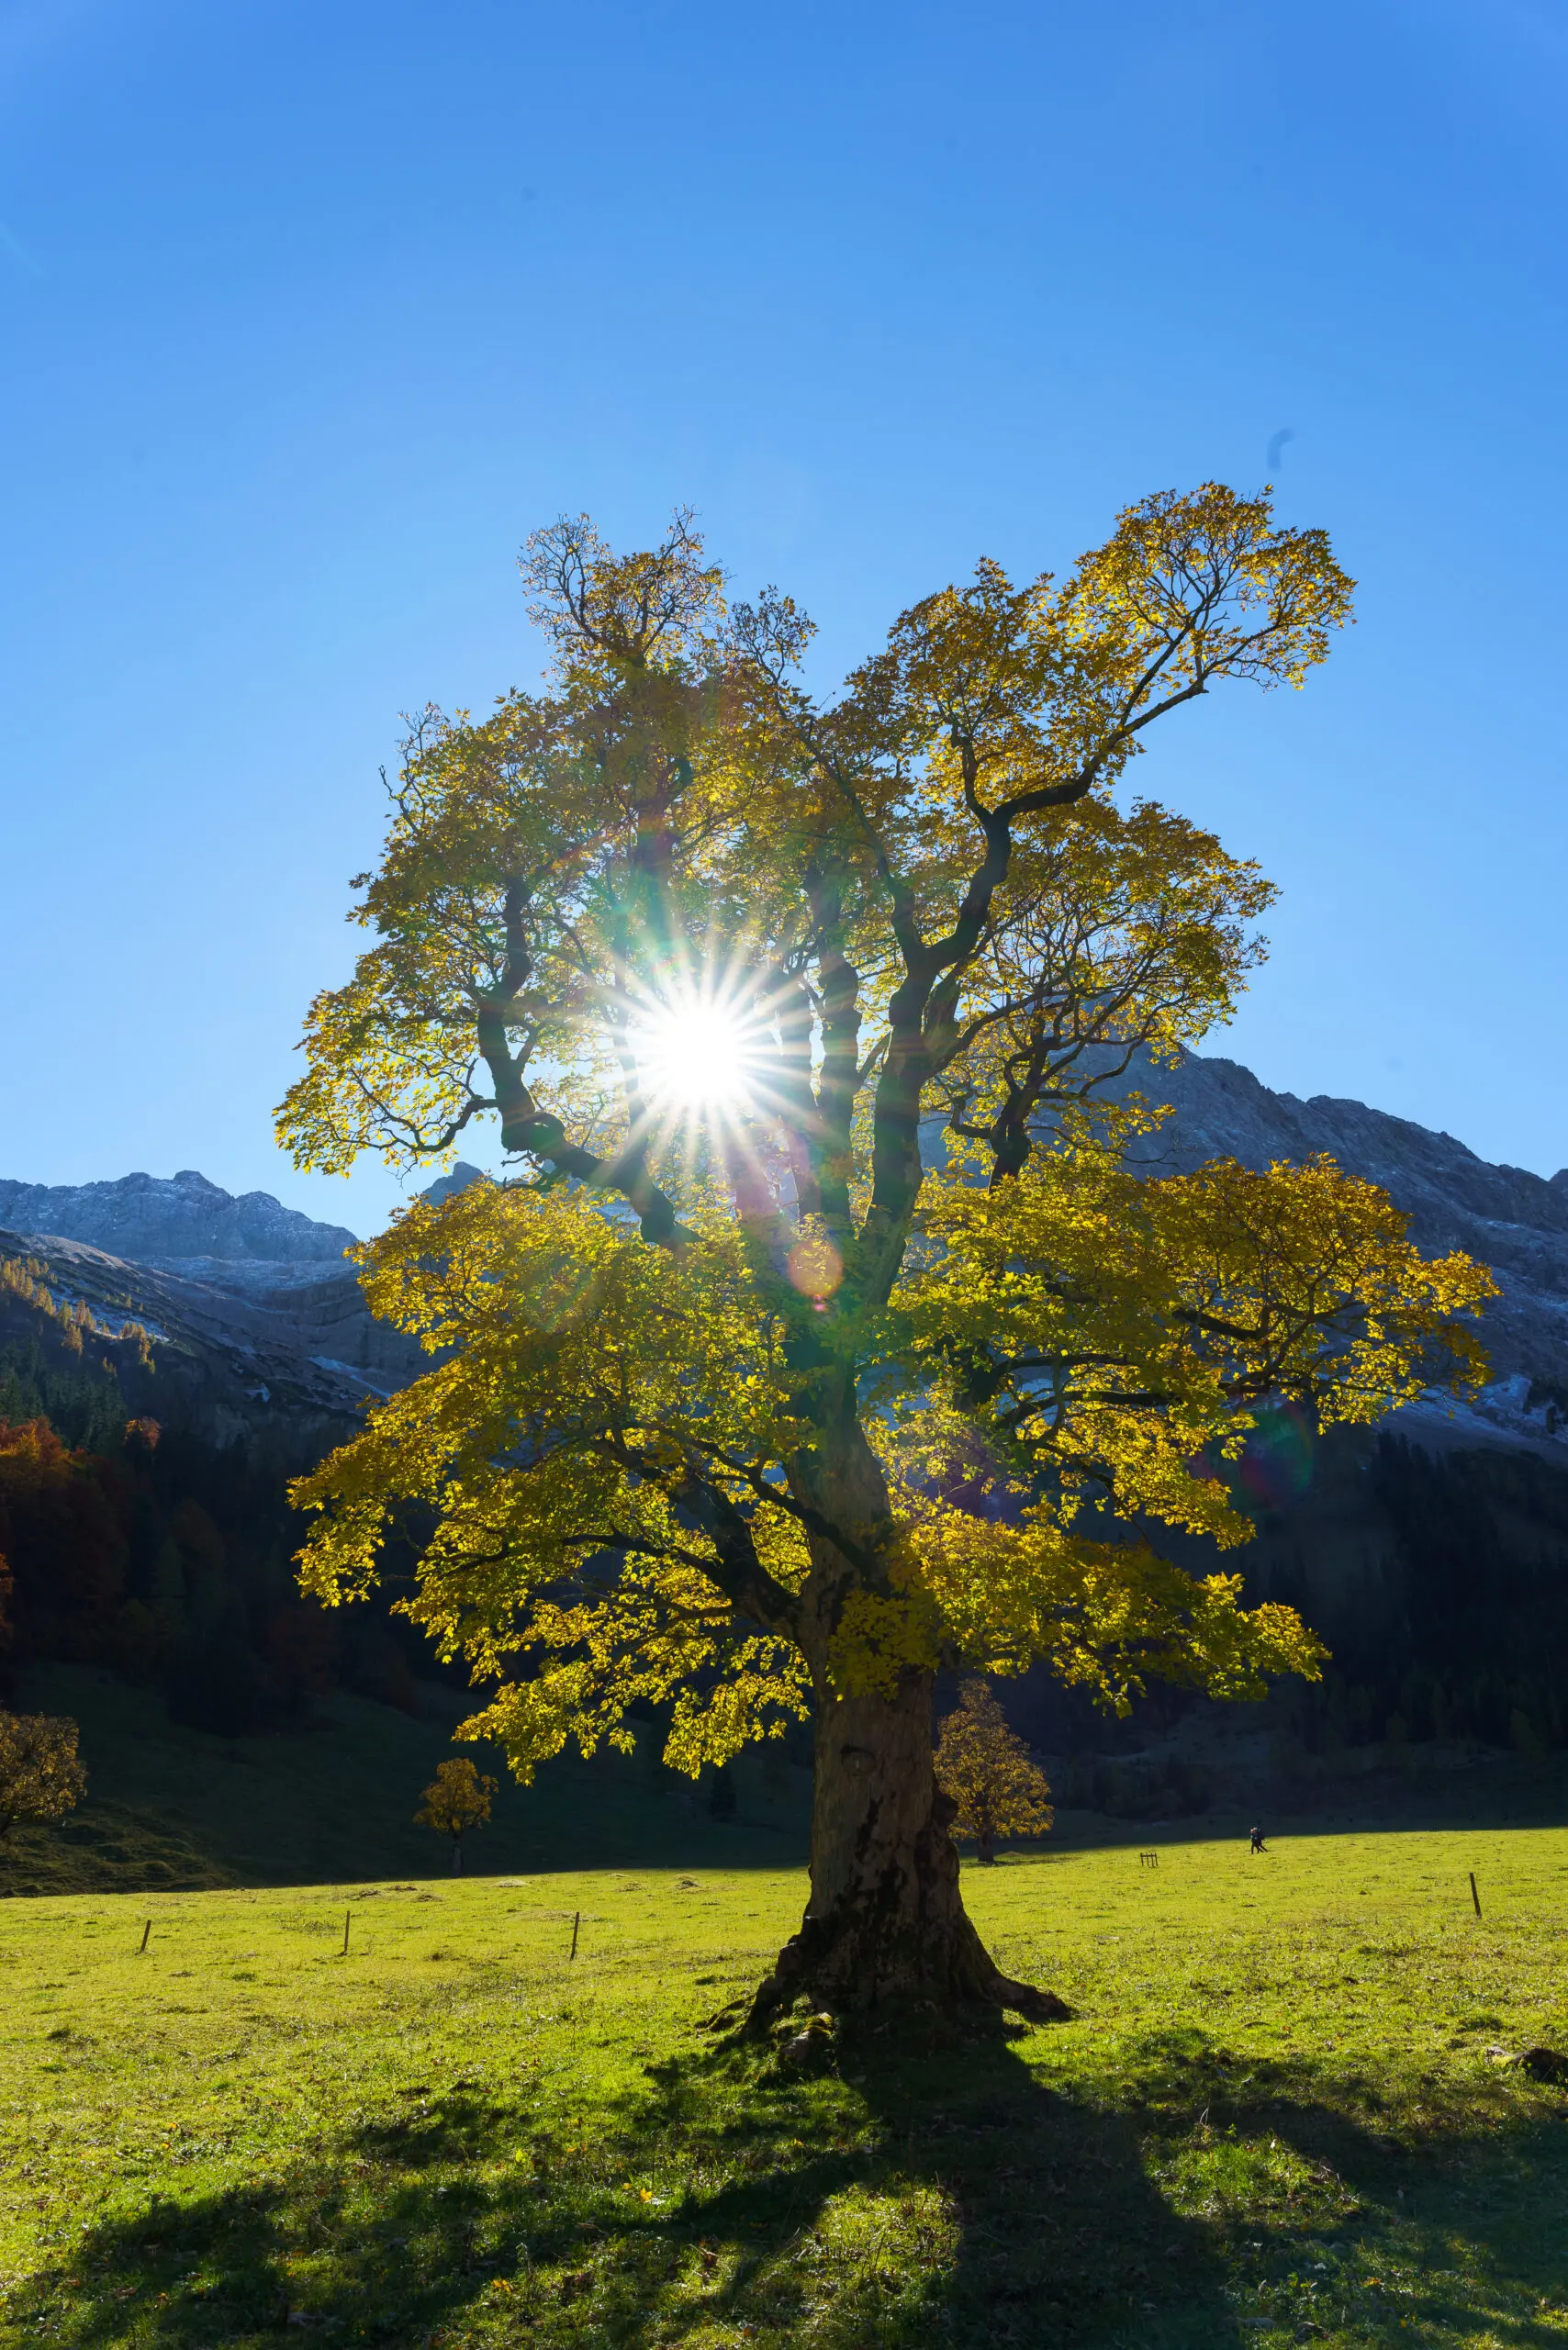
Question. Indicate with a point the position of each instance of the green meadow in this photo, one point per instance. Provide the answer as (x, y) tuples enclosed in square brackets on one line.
[(1290, 2110)]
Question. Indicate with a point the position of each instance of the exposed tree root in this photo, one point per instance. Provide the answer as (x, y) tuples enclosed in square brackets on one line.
[(831, 1970)]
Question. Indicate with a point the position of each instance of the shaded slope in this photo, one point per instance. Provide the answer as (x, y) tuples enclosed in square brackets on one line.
[(334, 1802)]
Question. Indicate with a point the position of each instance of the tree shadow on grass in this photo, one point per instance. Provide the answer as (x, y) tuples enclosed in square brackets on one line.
[(936, 2195), (1370, 2225)]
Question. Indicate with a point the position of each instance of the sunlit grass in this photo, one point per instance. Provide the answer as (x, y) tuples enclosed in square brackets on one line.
[(1287, 2112)]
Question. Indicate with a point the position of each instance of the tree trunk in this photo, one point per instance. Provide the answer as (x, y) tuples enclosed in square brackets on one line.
[(988, 1848), (885, 1919), (456, 1855)]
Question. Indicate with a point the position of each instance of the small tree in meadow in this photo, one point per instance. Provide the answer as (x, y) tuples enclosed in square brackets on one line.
[(40, 1777), (984, 1768), (457, 1798)]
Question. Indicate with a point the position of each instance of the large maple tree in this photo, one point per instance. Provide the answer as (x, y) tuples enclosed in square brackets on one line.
[(825, 1330)]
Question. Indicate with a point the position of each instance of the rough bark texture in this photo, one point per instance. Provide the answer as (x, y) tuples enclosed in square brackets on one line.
[(885, 1919)]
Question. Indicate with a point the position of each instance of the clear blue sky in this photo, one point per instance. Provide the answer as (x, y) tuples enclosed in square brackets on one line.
[(310, 311)]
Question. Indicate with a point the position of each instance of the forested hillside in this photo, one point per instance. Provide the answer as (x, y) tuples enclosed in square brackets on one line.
[(161, 1555)]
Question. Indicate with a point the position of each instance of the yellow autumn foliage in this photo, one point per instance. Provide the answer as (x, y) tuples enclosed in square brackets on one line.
[(741, 1407), (985, 1768)]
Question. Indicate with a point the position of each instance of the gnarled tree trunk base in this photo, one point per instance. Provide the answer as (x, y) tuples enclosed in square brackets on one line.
[(817, 1965), (886, 1922)]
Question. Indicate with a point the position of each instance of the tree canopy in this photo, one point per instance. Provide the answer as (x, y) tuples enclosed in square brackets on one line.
[(826, 1330), (457, 1799), (40, 1776)]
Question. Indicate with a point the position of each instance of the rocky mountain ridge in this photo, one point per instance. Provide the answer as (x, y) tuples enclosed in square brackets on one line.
[(246, 1283), (237, 1316), (175, 1223), (1506, 1218)]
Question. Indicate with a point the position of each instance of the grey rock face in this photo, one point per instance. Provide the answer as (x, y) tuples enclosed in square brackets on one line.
[(153, 1220), (459, 1180), (189, 1355), (1504, 1217), (1221, 1110), (254, 1310)]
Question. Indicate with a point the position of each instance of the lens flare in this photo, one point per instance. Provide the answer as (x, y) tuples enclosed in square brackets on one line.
[(695, 1053), (1276, 1467), (815, 1266)]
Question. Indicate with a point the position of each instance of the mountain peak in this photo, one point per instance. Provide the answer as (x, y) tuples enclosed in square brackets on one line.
[(163, 1220), (446, 1186)]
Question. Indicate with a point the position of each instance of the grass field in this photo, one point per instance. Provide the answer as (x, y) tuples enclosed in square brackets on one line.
[(1286, 2113)]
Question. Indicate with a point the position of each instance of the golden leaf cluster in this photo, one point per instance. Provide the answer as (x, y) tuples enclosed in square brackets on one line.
[(40, 1776)]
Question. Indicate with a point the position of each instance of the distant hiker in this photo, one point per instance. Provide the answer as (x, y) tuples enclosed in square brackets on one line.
[(1255, 1840)]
